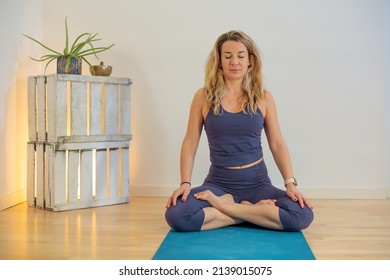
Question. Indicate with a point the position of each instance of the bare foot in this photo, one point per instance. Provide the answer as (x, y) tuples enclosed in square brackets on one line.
[(264, 201), (246, 202), (267, 201), (214, 200)]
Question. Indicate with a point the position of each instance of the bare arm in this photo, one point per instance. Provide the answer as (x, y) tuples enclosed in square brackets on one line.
[(280, 150), (189, 147)]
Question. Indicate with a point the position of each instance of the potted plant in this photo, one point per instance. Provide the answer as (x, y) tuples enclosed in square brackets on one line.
[(69, 60)]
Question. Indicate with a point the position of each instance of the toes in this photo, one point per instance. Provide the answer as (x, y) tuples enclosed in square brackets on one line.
[(267, 201), (246, 202)]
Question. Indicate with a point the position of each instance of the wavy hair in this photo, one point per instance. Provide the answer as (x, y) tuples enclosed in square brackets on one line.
[(252, 83)]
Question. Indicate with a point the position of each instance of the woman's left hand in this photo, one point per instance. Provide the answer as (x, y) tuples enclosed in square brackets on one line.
[(296, 195)]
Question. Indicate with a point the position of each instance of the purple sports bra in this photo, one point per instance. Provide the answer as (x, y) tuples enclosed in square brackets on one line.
[(234, 138)]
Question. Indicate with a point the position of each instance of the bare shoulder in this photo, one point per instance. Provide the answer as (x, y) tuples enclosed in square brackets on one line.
[(200, 96), (200, 102), (267, 104), (268, 98)]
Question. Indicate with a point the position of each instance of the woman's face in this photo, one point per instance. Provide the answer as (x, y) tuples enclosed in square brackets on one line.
[(235, 60)]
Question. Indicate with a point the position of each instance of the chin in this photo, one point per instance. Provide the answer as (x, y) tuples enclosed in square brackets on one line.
[(234, 77)]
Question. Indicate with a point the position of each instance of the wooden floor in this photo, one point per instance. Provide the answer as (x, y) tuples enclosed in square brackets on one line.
[(342, 229)]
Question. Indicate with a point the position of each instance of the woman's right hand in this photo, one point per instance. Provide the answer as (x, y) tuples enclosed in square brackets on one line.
[(183, 191)]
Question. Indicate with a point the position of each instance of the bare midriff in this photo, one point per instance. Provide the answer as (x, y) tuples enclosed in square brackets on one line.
[(245, 166)]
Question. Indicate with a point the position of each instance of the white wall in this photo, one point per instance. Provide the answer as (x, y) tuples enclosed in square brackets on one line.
[(387, 98), (16, 17), (324, 63), (326, 72)]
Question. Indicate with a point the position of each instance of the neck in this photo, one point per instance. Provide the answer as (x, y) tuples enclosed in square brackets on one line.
[(234, 88)]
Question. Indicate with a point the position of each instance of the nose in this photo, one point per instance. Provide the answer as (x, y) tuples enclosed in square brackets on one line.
[(234, 61)]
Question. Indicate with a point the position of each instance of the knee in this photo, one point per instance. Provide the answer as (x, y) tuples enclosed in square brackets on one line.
[(293, 217), (182, 222), (305, 218), (298, 220)]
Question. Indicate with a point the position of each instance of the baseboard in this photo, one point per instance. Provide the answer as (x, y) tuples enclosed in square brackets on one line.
[(11, 199), (313, 193), (152, 191), (346, 193)]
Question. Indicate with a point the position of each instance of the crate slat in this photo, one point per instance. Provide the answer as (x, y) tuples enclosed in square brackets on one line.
[(101, 174), (111, 114), (61, 118), (40, 187), (31, 174), (86, 172), (89, 204), (96, 109), (114, 173), (51, 106), (93, 79), (32, 109), (79, 108), (59, 187), (125, 109), (49, 172), (42, 114), (125, 173), (73, 171), (91, 145)]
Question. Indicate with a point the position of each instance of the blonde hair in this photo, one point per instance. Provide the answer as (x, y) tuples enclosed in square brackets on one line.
[(252, 83)]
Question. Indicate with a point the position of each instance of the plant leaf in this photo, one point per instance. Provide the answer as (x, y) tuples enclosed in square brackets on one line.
[(94, 50), (48, 63), (45, 57), (36, 41), (83, 58), (68, 60), (90, 65), (75, 46), (66, 37)]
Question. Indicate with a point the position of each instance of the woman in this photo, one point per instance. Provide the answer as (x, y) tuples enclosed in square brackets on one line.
[(233, 107)]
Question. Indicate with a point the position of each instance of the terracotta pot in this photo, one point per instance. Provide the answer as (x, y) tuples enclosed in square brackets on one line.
[(74, 66)]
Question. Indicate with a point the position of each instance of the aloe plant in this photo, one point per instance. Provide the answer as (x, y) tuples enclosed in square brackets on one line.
[(82, 47)]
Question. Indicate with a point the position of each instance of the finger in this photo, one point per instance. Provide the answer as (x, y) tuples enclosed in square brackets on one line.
[(292, 196), (169, 202), (300, 200), (307, 202), (174, 199), (185, 195)]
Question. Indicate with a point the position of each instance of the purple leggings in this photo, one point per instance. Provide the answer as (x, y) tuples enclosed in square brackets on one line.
[(251, 184)]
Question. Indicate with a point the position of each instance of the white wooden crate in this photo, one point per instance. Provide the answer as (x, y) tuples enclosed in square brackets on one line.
[(61, 179), (73, 105), (79, 139)]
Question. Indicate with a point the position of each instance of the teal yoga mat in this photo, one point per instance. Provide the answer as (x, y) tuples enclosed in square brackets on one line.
[(242, 242)]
